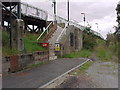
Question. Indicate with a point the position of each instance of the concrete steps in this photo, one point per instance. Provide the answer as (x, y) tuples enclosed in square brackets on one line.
[(52, 42)]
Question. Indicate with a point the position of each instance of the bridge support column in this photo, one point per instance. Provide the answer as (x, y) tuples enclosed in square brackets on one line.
[(17, 27)]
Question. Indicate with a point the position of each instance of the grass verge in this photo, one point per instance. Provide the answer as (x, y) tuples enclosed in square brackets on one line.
[(82, 68), (82, 53), (35, 65)]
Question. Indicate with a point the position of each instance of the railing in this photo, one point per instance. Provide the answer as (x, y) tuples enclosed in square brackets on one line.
[(29, 10), (61, 34), (44, 31), (33, 11), (62, 20)]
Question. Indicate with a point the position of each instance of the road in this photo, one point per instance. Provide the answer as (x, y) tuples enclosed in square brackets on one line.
[(41, 75)]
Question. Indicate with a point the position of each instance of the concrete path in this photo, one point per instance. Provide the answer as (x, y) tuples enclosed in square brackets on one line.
[(41, 75)]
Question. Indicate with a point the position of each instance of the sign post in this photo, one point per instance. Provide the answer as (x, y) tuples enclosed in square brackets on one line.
[(57, 46)]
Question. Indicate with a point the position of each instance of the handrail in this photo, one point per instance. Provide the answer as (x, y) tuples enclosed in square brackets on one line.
[(44, 31), (64, 29), (63, 20), (39, 13)]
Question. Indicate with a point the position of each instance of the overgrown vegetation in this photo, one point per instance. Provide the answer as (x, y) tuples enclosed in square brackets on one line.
[(82, 68), (97, 47), (29, 44), (35, 65), (89, 39), (6, 50), (102, 53), (83, 53)]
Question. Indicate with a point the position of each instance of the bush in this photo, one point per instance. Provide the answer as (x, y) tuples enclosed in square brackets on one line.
[(89, 41), (113, 48)]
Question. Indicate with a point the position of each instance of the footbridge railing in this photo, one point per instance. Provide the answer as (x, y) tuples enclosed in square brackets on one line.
[(62, 20), (33, 11)]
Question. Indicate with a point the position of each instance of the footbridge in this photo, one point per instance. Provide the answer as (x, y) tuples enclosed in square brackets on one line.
[(31, 15)]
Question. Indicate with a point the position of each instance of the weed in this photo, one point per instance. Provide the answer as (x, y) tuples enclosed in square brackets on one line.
[(102, 53), (35, 65), (82, 53), (82, 68)]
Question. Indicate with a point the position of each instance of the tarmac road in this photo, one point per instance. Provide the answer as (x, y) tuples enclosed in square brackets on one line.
[(39, 76)]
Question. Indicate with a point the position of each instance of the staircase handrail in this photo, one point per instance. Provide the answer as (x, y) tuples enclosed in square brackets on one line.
[(62, 33), (44, 31), (63, 20)]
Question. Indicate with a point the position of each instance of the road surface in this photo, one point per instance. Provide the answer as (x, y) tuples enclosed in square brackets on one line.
[(41, 75)]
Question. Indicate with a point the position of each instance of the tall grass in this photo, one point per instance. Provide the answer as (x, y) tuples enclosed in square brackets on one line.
[(30, 43), (82, 53), (6, 50), (102, 52)]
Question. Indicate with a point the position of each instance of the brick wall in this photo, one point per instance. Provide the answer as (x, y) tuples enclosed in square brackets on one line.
[(19, 62)]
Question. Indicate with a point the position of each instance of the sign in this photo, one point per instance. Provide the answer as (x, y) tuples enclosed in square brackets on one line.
[(57, 47), (45, 44)]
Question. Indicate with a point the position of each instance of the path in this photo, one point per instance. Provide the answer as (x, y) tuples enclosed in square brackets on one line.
[(39, 76), (99, 75)]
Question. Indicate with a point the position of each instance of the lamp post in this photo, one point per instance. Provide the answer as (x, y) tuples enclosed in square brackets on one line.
[(68, 12), (84, 18), (97, 26)]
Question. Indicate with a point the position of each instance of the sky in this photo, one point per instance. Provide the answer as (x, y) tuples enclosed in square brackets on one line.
[(96, 11)]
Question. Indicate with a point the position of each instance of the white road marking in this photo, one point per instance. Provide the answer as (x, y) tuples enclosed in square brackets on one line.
[(43, 86)]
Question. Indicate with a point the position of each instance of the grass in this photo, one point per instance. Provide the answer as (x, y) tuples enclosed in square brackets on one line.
[(6, 50), (82, 53), (101, 51), (30, 45), (35, 65), (82, 68), (107, 65), (103, 55)]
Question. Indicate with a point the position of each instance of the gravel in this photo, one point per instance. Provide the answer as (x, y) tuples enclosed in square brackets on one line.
[(99, 75)]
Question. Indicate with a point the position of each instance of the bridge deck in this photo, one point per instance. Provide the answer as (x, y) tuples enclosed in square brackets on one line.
[(30, 14)]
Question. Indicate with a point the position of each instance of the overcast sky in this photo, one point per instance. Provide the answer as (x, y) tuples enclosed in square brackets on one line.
[(97, 11)]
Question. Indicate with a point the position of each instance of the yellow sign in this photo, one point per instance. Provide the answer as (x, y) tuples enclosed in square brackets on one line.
[(57, 47)]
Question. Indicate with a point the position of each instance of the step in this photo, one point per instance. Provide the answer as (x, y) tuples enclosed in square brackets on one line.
[(52, 57)]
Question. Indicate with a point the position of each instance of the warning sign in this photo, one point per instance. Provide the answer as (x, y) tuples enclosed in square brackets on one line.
[(57, 47)]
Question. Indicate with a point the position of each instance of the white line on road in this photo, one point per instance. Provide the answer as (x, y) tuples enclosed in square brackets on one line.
[(50, 82)]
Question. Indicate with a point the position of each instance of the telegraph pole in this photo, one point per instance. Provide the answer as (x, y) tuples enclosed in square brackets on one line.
[(10, 25), (68, 12), (19, 10), (54, 10)]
